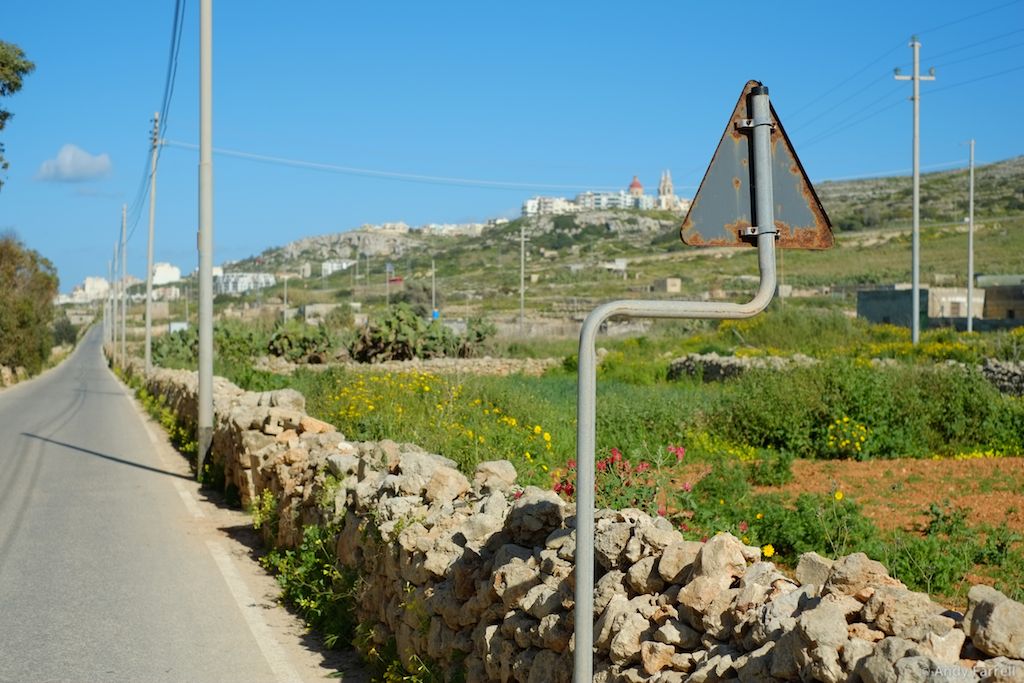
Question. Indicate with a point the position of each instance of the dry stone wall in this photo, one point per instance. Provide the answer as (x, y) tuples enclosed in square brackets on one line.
[(1006, 376), (476, 574)]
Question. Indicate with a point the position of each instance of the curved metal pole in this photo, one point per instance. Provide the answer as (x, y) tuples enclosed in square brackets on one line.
[(587, 370)]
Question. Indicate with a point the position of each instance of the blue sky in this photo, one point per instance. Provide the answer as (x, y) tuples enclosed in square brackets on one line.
[(578, 94)]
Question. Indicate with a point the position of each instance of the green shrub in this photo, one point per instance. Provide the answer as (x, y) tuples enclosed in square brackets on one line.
[(298, 342), (64, 332), (824, 523), (316, 587), (905, 410)]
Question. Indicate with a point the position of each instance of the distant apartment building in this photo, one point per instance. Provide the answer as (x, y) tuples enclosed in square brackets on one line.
[(453, 229), (239, 283), (631, 198), (399, 227), (165, 274), (93, 289), (548, 206), (328, 268)]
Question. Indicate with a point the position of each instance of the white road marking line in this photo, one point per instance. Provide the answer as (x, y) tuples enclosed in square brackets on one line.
[(190, 501), (270, 648)]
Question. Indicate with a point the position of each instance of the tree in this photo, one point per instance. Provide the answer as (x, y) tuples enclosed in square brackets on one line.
[(28, 285), (13, 67)]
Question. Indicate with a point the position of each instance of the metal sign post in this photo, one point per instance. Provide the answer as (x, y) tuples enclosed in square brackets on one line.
[(756, 126)]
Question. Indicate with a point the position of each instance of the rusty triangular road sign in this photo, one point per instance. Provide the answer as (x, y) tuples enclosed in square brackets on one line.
[(722, 207)]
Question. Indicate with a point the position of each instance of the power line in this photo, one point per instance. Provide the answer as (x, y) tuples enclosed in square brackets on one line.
[(842, 126), (821, 97), (986, 41), (177, 23), (975, 80), (820, 116), (980, 54), (846, 126), (969, 17), (840, 84), (386, 175), (893, 172)]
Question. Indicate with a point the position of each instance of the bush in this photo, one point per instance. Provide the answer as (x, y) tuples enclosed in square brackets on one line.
[(314, 585), (823, 411), (64, 332), (401, 334), (298, 342), (28, 285)]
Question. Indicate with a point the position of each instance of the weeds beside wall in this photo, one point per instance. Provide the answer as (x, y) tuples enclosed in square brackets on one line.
[(440, 574)]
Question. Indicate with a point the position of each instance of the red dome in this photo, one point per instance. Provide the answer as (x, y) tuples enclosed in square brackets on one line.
[(635, 185)]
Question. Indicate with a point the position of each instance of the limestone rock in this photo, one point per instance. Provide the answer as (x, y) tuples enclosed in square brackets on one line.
[(625, 644), (677, 559), (721, 559), (677, 634), (315, 426), (445, 485), (494, 475), (610, 540), (813, 569), (655, 656), (854, 573), (342, 465), (534, 516), (995, 623), (895, 610)]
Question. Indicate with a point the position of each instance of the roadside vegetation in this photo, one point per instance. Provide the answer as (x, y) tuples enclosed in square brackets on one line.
[(710, 456), (28, 285)]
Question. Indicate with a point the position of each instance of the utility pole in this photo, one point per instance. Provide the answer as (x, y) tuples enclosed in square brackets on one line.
[(111, 326), (433, 289), (205, 409), (970, 245), (522, 279), (115, 306), (124, 284), (915, 268), (149, 248), (285, 295), (106, 312)]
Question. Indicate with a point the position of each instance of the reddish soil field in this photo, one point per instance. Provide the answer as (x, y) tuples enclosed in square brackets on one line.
[(897, 493)]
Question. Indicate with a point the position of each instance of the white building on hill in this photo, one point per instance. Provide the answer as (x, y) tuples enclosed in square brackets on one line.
[(239, 283), (165, 273)]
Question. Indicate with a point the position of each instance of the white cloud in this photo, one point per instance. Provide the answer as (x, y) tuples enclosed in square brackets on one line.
[(73, 164)]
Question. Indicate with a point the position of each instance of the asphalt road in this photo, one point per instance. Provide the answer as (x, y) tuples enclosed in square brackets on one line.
[(108, 571)]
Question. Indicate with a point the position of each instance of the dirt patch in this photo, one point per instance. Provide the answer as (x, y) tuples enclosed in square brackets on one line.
[(895, 494)]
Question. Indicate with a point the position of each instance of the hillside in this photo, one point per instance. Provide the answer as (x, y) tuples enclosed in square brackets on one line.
[(880, 202), (571, 260)]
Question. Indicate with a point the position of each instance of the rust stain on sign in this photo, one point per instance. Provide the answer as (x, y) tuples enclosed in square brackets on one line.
[(722, 207)]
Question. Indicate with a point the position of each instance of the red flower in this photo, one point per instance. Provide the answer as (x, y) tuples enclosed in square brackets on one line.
[(571, 464), (687, 487), (662, 510), (602, 465), (616, 455), (678, 451), (743, 527), (643, 467)]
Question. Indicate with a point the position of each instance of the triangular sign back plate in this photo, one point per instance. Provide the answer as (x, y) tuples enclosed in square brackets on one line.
[(722, 207)]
